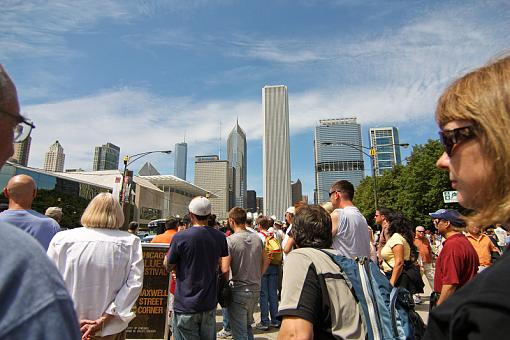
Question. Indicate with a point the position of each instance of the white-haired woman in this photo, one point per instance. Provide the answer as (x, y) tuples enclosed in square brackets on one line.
[(473, 115), (102, 267)]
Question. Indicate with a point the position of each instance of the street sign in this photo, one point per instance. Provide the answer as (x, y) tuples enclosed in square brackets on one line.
[(450, 197)]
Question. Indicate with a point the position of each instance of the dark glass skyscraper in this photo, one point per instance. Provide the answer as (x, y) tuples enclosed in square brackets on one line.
[(338, 155), (236, 152), (106, 157)]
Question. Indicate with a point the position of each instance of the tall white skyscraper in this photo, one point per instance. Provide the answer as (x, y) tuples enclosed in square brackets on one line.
[(181, 158), (236, 151), (54, 158), (338, 155), (385, 141), (276, 150)]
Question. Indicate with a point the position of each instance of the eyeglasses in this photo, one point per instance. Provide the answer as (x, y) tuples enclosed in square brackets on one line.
[(23, 127), (450, 138), (420, 231), (331, 193)]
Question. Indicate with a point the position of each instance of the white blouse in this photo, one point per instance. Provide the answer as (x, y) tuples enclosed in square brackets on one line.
[(103, 272)]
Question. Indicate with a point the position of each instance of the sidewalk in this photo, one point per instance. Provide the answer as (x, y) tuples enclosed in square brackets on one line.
[(272, 333)]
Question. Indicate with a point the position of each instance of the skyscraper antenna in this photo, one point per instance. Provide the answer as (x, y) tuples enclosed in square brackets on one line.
[(219, 143)]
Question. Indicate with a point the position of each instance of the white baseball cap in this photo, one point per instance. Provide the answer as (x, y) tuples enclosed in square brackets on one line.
[(291, 210), (200, 206)]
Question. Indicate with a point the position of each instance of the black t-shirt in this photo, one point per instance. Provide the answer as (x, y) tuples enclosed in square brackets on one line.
[(478, 310), (196, 252)]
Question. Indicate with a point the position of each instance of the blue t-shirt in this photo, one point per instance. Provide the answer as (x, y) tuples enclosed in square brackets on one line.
[(43, 228), (196, 252), (34, 301)]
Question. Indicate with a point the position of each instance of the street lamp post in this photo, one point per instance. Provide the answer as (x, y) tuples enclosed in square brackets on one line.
[(371, 155), (129, 160)]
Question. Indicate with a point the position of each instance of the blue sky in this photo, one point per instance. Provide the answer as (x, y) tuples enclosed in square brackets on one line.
[(142, 74)]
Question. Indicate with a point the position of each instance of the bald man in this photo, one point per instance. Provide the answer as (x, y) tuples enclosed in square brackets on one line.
[(21, 191), (35, 303)]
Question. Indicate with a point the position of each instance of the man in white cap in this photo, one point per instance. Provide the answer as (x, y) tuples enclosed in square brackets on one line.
[(195, 254)]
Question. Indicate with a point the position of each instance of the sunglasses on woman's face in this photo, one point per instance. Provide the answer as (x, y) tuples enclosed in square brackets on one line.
[(450, 138)]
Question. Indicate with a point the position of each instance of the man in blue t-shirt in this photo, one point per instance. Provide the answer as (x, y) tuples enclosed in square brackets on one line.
[(21, 191), (196, 254)]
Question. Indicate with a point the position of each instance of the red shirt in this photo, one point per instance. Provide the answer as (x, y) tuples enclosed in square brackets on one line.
[(424, 249), (456, 264)]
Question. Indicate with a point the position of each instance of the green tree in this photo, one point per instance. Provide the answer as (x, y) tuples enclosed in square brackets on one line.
[(415, 189)]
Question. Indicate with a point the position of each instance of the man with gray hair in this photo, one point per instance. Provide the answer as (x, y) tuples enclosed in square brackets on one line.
[(54, 213), (21, 191), (42, 307)]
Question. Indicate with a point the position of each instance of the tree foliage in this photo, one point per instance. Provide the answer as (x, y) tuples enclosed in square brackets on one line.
[(415, 189)]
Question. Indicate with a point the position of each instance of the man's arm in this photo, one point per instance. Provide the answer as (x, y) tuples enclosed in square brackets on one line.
[(289, 245), (265, 262), (225, 266), (334, 223), (446, 292), (294, 327)]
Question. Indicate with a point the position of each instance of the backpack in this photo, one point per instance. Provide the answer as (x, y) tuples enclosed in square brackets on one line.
[(387, 312), (273, 249)]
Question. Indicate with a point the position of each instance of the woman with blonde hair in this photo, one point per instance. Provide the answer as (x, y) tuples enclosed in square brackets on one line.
[(102, 267), (473, 115)]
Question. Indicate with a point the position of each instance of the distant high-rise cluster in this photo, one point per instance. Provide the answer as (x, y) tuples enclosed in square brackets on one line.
[(54, 158), (385, 141), (276, 150), (181, 159), (236, 154), (106, 157), (338, 154), (21, 152)]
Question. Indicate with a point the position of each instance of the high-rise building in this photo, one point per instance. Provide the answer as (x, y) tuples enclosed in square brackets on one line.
[(276, 150), (21, 152), (236, 153), (54, 158), (260, 204), (338, 155), (385, 141), (212, 174), (297, 191), (181, 159), (106, 157), (251, 201)]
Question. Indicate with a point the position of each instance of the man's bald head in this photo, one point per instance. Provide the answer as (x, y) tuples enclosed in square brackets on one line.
[(20, 191)]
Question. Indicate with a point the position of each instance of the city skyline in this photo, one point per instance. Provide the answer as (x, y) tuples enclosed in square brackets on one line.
[(151, 72)]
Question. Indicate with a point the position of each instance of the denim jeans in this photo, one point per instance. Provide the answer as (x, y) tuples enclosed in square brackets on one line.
[(240, 312), (226, 319), (199, 326), (269, 295)]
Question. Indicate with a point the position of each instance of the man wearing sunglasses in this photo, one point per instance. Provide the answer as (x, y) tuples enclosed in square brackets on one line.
[(35, 302)]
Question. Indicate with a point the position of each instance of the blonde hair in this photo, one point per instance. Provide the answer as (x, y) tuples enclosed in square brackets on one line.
[(483, 97), (103, 211)]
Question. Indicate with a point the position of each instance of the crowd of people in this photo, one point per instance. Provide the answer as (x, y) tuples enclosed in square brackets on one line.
[(83, 282)]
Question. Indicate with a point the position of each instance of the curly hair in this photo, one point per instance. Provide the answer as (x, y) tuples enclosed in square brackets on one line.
[(401, 225), (312, 227)]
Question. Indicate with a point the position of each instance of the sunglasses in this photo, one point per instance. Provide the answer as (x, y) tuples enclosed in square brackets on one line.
[(331, 193), (420, 231), (450, 138), (23, 127)]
